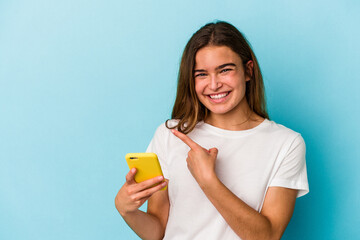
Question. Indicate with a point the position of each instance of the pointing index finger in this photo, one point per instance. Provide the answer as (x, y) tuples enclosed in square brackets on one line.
[(188, 141)]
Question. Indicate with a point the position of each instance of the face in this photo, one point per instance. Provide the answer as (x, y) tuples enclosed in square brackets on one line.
[(220, 80)]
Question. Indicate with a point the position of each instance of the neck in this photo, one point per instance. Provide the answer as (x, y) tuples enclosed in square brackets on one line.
[(242, 119)]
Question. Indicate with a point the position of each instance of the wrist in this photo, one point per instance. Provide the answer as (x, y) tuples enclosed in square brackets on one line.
[(212, 182), (122, 209), (125, 214)]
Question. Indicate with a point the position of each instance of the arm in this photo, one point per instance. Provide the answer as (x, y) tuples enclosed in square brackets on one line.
[(158, 206), (132, 195), (246, 222)]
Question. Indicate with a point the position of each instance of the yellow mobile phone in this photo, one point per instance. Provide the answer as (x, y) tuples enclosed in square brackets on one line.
[(146, 164)]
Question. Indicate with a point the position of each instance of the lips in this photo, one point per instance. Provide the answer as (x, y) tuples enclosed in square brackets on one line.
[(218, 97)]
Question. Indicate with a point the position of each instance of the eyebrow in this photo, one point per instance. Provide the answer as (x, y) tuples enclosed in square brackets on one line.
[(217, 68)]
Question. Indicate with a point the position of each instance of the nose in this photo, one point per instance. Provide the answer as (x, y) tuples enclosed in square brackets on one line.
[(214, 83)]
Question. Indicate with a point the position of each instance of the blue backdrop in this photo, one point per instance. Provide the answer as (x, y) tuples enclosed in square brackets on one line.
[(84, 82)]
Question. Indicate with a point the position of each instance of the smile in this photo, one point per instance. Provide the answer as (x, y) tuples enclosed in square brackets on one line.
[(218, 96)]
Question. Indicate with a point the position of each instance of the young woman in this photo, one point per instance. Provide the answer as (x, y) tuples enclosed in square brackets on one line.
[(232, 173)]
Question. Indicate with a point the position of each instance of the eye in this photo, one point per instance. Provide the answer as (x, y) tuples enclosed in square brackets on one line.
[(225, 70), (200, 75)]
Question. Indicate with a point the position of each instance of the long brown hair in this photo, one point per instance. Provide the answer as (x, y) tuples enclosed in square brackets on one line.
[(187, 108)]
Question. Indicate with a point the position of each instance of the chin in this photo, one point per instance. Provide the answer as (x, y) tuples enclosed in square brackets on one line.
[(219, 111)]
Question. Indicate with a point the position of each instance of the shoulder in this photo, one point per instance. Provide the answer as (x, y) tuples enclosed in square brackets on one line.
[(279, 129), (170, 123), (279, 132), (163, 128)]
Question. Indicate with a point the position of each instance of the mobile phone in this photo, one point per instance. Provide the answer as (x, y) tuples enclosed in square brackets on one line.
[(146, 164)]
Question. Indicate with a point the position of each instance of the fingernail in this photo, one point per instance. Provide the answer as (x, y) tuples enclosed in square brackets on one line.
[(172, 130), (160, 177)]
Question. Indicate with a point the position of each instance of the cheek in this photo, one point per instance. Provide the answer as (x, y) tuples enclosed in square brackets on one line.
[(235, 80), (199, 87)]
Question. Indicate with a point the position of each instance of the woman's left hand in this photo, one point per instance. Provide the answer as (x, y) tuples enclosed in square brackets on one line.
[(200, 161)]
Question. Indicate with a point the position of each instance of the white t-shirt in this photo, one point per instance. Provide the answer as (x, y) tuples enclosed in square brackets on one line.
[(248, 162)]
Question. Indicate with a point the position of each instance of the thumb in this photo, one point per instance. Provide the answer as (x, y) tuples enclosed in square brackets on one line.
[(213, 152), (130, 176)]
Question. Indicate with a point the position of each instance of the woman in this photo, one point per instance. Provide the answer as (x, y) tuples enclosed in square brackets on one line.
[(232, 173)]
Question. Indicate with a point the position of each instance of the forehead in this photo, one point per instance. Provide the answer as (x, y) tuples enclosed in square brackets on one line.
[(212, 56)]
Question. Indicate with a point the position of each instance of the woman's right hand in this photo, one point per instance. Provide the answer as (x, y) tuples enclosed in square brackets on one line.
[(133, 195)]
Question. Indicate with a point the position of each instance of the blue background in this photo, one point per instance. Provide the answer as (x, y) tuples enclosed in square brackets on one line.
[(84, 82)]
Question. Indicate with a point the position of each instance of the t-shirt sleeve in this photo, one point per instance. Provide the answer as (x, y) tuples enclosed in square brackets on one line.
[(292, 170), (158, 146)]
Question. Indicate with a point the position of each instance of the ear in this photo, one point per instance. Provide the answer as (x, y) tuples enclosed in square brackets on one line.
[(249, 69)]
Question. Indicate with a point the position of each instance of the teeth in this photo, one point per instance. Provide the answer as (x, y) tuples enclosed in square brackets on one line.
[(218, 96)]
